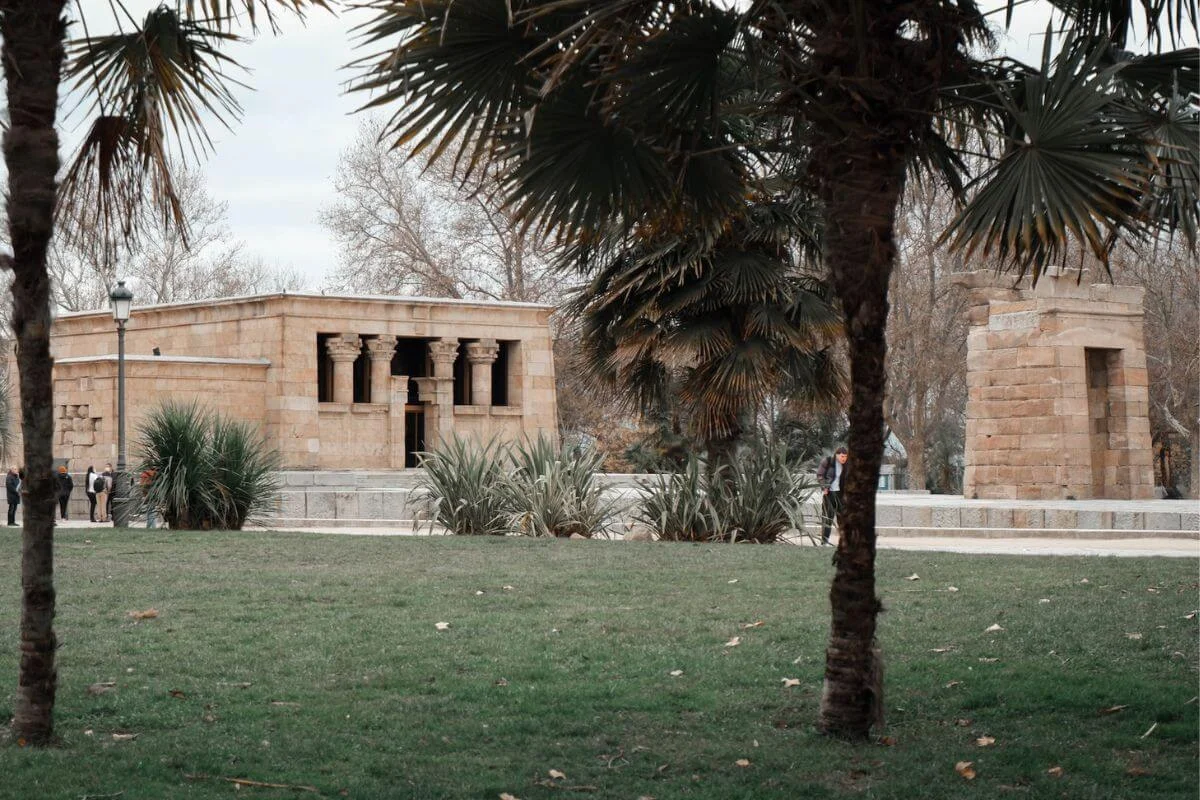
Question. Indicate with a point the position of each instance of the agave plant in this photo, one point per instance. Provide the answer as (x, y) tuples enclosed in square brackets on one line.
[(676, 506), (463, 483), (760, 496), (204, 471), (245, 472), (554, 492)]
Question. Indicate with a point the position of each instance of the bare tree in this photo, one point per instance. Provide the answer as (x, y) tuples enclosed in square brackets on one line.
[(163, 267), (408, 227), (927, 333), (1172, 325)]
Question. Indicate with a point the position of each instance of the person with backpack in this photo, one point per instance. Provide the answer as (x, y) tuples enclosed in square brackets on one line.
[(91, 485), (104, 494), (66, 485), (830, 474)]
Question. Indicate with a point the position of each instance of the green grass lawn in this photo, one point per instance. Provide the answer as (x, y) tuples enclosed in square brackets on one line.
[(314, 661)]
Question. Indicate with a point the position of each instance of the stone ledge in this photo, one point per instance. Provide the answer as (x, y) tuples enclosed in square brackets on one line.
[(1037, 533)]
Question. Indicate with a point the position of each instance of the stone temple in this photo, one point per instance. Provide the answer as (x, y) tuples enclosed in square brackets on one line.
[(336, 382)]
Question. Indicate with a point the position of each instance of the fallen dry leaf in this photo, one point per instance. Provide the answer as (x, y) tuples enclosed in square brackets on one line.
[(1044, 600), (1055, 772), (790, 682), (742, 762), (1137, 772), (734, 642), (1191, 615), (556, 775), (675, 673), (89, 732), (993, 628), (507, 796), (963, 723), (501, 682), (507, 588), (945, 649), (124, 737), (1113, 709), (966, 769), (1134, 636), (177, 694), (888, 741), (951, 588), (952, 684), (988, 660), (758, 624), (735, 580), (913, 577), (985, 741), (101, 688), (1150, 731), (149, 613), (1084, 580), (442, 626), (478, 592)]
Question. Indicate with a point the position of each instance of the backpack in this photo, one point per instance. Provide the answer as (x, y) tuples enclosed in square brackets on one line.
[(98, 484)]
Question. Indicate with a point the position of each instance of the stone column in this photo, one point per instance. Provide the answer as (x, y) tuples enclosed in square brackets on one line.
[(443, 353), (380, 350), (482, 355), (343, 349), (438, 396), (398, 398)]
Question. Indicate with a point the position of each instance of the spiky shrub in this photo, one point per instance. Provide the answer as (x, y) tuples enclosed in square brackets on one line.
[(245, 472), (676, 506), (760, 495), (554, 492), (209, 472), (464, 487)]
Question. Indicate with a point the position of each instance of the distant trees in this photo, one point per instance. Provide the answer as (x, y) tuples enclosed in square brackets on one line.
[(406, 226), (927, 338)]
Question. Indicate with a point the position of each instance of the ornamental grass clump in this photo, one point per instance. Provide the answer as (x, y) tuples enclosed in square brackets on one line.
[(554, 492), (758, 497), (464, 487), (676, 506), (202, 471)]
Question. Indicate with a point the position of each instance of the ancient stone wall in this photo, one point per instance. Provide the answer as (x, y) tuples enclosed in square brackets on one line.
[(1057, 391)]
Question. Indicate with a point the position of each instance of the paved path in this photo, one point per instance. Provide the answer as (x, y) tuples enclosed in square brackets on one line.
[(1172, 548)]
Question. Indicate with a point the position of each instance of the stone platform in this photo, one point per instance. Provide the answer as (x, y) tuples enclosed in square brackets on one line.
[(366, 499)]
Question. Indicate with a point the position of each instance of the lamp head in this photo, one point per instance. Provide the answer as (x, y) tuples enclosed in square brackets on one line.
[(122, 301)]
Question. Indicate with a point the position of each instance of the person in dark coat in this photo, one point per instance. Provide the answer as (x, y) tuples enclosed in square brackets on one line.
[(12, 484), (829, 475), (66, 485)]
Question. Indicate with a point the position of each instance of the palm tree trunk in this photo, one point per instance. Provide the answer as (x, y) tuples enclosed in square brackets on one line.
[(865, 201), (33, 55)]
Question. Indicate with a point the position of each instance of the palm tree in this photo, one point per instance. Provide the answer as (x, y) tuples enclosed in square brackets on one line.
[(633, 113), (152, 85), (715, 326)]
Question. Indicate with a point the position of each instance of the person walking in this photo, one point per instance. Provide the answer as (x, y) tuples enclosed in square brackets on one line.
[(12, 483), (66, 485), (90, 488), (829, 475)]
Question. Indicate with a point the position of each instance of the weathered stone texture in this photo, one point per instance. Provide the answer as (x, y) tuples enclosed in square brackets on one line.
[(1057, 392)]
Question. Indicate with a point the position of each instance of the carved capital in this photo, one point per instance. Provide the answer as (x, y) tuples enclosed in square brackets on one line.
[(444, 351), (381, 348), (484, 351), (344, 347)]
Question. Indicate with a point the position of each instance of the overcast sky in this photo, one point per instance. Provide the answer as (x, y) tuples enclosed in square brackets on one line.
[(275, 168)]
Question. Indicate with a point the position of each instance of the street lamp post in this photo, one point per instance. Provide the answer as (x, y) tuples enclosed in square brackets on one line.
[(122, 302)]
